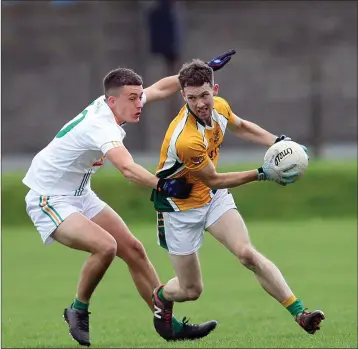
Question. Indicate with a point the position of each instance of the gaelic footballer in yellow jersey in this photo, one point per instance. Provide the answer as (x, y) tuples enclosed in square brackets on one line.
[(191, 149), (189, 145)]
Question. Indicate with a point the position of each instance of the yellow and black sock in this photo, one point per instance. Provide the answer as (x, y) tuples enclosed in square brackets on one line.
[(293, 305)]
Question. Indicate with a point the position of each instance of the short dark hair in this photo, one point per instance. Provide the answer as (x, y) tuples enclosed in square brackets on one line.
[(120, 77), (195, 73)]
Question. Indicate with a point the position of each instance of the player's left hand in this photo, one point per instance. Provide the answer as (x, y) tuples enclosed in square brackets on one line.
[(283, 176), (220, 61), (285, 138)]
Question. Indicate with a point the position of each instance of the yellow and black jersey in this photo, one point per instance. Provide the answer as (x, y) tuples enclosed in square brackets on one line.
[(189, 144)]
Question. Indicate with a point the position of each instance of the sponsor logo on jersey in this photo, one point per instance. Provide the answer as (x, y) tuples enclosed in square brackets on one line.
[(99, 162), (216, 136), (197, 160)]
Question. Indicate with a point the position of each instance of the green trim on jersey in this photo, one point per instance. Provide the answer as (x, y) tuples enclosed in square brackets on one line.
[(170, 171), (161, 203), (161, 231), (73, 123)]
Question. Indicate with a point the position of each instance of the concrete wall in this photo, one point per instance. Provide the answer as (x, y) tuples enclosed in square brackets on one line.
[(54, 59)]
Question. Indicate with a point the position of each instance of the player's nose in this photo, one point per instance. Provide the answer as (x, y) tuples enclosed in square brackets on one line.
[(200, 104)]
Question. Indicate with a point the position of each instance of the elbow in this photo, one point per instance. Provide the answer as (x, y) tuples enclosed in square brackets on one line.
[(126, 174), (126, 171)]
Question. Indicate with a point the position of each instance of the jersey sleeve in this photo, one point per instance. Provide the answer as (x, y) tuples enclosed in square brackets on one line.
[(106, 136), (193, 154)]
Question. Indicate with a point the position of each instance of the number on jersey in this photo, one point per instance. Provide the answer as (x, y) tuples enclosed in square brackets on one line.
[(73, 123)]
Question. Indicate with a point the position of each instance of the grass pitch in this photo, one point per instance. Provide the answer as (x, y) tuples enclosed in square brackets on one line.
[(318, 259)]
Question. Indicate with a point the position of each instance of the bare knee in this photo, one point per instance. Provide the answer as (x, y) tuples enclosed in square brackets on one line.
[(107, 248), (193, 292), (133, 253), (248, 256)]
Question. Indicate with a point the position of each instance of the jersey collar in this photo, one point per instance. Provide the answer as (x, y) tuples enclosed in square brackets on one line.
[(201, 122)]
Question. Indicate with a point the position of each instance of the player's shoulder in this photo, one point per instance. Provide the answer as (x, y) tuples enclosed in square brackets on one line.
[(222, 106), (99, 106), (99, 112)]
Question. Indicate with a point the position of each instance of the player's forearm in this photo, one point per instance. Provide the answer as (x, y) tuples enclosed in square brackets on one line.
[(232, 179), (166, 87), (254, 133), (139, 175)]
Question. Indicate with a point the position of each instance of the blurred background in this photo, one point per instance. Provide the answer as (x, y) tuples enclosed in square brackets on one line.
[(295, 71)]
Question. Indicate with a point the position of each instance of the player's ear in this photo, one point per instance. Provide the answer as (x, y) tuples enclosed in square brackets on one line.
[(111, 101), (216, 90), (183, 95)]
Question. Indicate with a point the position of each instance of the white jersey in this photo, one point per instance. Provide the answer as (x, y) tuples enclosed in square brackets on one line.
[(66, 164)]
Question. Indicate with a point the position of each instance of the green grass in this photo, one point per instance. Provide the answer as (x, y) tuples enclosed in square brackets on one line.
[(318, 259), (328, 190)]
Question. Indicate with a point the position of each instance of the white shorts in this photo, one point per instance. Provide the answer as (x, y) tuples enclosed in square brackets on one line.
[(48, 212), (182, 232)]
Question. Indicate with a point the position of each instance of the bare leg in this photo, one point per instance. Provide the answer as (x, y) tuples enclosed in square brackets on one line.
[(132, 252), (188, 284), (79, 233), (231, 231)]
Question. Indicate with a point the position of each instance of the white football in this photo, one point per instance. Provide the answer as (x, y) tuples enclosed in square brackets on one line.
[(285, 153)]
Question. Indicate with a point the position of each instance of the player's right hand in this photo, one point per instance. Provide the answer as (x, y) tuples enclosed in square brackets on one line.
[(286, 138), (220, 61), (283, 176), (177, 188)]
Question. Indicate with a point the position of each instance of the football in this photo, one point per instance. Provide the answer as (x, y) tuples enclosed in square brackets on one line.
[(284, 153)]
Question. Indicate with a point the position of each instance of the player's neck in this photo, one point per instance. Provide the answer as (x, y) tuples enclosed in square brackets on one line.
[(117, 118), (208, 121), (205, 122)]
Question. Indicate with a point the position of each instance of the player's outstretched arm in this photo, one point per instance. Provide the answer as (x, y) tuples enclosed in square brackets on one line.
[(249, 131), (217, 180), (123, 161), (162, 89), (168, 86), (269, 172)]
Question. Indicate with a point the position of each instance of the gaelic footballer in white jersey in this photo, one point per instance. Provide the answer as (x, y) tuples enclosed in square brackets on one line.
[(66, 164)]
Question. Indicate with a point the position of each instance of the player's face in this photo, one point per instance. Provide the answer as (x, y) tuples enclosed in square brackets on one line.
[(200, 99), (127, 105)]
